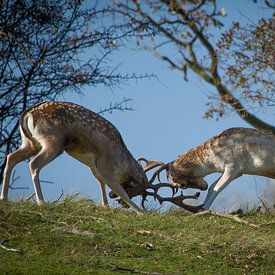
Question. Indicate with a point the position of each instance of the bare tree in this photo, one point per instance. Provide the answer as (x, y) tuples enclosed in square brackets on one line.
[(44, 53), (240, 66)]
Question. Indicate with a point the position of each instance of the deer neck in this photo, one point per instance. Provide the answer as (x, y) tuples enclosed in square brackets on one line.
[(196, 163), (127, 167), (207, 155)]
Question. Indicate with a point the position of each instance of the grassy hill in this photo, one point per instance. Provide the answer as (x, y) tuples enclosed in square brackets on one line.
[(80, 237)]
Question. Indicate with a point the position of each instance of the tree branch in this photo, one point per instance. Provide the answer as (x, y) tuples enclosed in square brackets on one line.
[(2, 242), (198, 28), (227, 216)]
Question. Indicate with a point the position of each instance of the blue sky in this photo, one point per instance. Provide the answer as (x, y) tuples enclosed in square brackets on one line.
[(166, 122)]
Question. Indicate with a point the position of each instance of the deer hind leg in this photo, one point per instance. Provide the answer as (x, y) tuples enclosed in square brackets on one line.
[(24, 152), (230, 173), (50, 150)]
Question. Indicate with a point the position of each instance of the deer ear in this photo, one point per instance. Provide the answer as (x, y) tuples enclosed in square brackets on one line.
[(172, 170)]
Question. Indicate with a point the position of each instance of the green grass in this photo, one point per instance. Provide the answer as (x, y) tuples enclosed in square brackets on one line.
[(80, 237)]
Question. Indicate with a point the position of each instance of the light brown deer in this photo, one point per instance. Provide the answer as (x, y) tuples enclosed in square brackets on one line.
[(234, 152), (48, 129)]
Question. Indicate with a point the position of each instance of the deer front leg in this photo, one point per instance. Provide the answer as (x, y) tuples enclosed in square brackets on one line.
[(116, 187), (230, 173), (103, 193), (210, 192), (104, 200)]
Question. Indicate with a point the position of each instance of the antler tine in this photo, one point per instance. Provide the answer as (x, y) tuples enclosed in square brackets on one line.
[(156, 174), (149, 164), (156, 187), (144, 196), (179, 201)]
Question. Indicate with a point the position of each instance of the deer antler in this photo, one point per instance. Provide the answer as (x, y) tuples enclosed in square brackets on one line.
[(178, 200), (149, 164), (156, 173), (156, 187)]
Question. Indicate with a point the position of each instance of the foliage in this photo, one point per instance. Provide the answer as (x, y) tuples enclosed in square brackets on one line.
[(248, 54), (184, 34), (80, 237)]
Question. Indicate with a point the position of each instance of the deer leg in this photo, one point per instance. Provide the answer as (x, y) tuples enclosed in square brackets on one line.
[(217, 187), (103, 193), (22, 153), (104, 201), (116, 187), (211, 190), (47, 154)]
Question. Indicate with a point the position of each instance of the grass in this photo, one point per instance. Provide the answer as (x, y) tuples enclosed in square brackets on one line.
[(81, 237)]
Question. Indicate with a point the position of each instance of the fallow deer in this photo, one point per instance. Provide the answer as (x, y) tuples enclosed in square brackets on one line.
[(48, 129), (234, 152)]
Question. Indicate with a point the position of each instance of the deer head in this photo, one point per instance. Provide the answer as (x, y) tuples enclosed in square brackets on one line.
[(134, 190), (136, 182), (182, 181), (178, 179)]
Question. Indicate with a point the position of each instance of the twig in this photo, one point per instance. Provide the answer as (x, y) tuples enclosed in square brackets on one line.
[(227, 216), (121, 106), (118, 268), (264, 204), (29, 198), (13, 181), (267, 224), (47, 181), (19, 188), (57, 200), (43, 217), (73, 230), (8, 249), (85, 218), (71, 197)]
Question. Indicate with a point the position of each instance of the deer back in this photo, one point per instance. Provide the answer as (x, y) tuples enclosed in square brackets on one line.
[(252, 150), (84, 135)]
